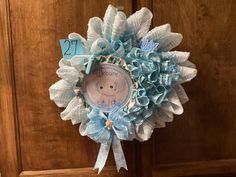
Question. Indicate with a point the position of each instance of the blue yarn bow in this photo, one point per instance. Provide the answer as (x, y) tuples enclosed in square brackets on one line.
[(109, 130)]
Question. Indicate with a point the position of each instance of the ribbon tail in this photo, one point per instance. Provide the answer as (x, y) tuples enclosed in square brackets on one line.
[(102, 156), (118, 154)]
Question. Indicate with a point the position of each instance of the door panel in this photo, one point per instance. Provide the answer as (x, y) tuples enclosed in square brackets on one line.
[(46, 142), (8, 136), (201, 141)]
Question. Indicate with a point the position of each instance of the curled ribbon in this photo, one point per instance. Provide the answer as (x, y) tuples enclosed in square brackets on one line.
[(155, 75), (102, 47)]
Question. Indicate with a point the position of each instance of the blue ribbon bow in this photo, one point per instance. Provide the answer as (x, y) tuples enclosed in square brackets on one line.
[(109, 130)]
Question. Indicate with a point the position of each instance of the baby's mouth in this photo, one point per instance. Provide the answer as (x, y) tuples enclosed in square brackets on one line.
[(107, 94)]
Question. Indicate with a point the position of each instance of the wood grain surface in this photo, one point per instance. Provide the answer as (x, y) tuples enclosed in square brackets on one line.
[(36, 142), (9, 157), (47, 142), (78, 172), (213, 168), (206, 129), (201, 141)]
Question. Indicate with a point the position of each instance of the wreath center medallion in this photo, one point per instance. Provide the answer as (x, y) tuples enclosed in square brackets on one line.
[(107, 87)]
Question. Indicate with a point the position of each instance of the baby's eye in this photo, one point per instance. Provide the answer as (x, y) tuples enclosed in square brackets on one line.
[(111, 86), (101, 87)]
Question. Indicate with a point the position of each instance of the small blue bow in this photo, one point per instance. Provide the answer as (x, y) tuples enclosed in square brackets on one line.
[(109, 130)]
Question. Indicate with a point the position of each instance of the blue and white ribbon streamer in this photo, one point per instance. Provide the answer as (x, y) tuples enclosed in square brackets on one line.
[(117, 152)]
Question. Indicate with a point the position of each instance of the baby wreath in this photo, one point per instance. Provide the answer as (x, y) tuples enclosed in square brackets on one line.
[(123, 81)]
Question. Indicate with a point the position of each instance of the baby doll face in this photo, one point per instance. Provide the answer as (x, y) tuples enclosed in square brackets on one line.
[(107, 86)]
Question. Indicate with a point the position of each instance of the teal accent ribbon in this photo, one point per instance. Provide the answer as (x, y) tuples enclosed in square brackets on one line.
[(91, 64)]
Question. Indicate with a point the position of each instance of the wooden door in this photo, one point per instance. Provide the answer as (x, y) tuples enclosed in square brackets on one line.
[(38, 142), (35, 142), (201, 142)]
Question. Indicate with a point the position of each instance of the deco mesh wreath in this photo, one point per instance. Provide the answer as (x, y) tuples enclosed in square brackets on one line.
[(125, 83)]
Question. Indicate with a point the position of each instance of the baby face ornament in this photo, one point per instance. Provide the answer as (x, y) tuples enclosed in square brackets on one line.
[(107, 87)]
